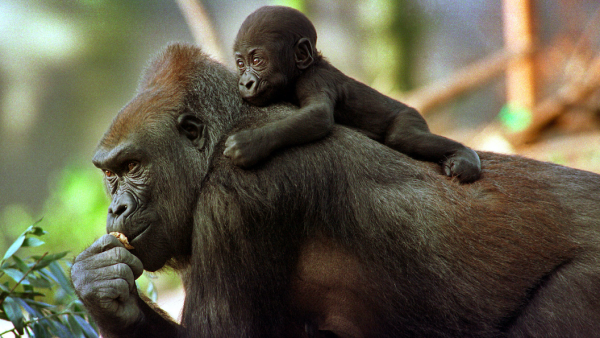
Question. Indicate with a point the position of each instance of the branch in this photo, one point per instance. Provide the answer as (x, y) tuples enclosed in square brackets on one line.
[(463, 80), (201, 27), (549, 109), (25, 275), (38, 319)]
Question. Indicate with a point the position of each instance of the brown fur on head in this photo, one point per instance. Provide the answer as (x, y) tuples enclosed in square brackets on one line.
[(171, 82)]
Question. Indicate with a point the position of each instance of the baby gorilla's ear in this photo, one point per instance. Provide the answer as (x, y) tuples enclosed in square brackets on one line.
[(303, 53)]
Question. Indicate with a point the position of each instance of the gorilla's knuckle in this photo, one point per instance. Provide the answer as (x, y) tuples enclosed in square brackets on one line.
[(111, 289), (76, 270), (87, 293), (118, 254), (122, 270), (106, 240), (81, 276)]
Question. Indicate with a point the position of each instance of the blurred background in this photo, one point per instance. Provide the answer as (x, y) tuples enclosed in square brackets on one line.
[(519, 77)]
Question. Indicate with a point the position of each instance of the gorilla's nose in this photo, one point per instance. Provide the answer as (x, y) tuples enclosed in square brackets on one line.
[(249, 84), (247, 88), (122, 206)]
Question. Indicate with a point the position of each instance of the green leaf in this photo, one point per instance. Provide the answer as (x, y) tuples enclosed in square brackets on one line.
[(29, 309), (86, 327), (38, 282), (35, 230), (39, 331), (57, 327), (4, 287), (26, 295), (59, 276), (74, 326), (32, 230), (20, 264), (14, 247), (32, 242), (14, 313), (38, 304), (16, 275), (48, 259)]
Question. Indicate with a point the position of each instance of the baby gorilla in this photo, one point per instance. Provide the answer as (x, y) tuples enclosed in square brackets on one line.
[(275, 52)]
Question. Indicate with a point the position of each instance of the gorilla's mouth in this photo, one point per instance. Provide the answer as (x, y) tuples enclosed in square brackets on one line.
[(257, 99), (133, 238)]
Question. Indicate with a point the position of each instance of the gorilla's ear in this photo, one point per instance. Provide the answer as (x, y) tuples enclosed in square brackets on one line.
[(303, 53), (192, 128)]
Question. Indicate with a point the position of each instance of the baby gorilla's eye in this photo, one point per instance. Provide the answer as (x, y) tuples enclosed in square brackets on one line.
[(256, 61), (240, 64)]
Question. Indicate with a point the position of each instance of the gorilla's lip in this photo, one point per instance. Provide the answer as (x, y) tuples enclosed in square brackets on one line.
[(258, 98), (254, 99), (139, 234)]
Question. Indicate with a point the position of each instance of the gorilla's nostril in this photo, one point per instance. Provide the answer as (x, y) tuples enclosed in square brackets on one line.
[(120, 210), (249, 84), (122, 205)]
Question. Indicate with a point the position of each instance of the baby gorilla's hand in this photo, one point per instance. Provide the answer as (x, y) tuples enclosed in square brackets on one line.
[(464, 165), (247, 147)]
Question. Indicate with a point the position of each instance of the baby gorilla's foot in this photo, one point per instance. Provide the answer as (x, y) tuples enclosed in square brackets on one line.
[(464, 165)]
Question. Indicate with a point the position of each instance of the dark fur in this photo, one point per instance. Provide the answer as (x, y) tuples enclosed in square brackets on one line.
[(345, 234), (277, 60)]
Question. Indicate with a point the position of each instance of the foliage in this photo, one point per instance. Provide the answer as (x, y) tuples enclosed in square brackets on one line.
[(514, 117), (23, 282), (75, 211), (297, 4)]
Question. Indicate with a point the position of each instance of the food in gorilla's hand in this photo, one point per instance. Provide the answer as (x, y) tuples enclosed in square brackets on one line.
[(123, 239)]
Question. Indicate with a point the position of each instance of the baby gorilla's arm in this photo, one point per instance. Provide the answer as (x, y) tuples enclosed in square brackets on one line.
[(310, 123)]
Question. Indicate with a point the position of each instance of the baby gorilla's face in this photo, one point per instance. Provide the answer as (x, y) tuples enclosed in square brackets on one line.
[(262, 78)]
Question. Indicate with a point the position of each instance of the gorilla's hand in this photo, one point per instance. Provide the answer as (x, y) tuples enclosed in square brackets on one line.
[(104, 279), (248, 147)]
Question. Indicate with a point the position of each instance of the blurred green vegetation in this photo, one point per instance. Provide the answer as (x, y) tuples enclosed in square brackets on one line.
[(67, 67), (74, 214), (390, 31), (393, 29)]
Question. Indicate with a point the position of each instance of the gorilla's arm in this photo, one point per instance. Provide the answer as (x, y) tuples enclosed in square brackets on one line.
[(104, 277)]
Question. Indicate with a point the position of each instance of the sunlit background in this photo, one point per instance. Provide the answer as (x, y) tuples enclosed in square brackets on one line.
[(67, 67)]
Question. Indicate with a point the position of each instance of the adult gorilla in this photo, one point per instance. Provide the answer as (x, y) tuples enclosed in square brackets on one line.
[(339, 238)]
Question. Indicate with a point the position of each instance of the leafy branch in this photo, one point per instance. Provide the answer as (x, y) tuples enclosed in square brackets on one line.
[(48, 317), (25, 275), (23, 282)]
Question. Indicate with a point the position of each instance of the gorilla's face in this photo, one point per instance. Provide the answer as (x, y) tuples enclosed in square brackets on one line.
[(149, 157)]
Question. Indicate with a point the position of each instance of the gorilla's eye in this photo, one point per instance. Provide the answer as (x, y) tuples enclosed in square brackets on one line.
[(131, 166), (256, 61), (240, 64), (108, 173)]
